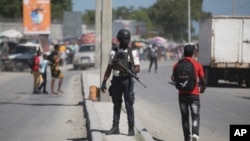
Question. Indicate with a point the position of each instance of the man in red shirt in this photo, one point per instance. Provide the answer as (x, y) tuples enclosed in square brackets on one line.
[(36, 73), (190, 99)]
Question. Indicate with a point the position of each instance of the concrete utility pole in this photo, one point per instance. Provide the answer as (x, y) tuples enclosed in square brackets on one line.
[(189, 22), (97, 33), (106, 40)]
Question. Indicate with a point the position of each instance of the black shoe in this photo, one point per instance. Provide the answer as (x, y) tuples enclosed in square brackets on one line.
[(36, 92), (45, 92), (114, 129), (131, 131)]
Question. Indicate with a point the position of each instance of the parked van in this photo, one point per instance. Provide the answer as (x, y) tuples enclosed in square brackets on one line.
[(85, 56)]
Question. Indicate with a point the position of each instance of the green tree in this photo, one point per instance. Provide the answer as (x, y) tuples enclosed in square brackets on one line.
[(122, 12), (58, 7), (11, 8), (131, 13), (142, 16), (89, 17), (171, 19)]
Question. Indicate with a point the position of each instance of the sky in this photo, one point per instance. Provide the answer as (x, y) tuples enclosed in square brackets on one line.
[(216, 7)]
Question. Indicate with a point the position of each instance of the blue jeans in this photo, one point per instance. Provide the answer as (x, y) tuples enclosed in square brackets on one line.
[(189, 103)]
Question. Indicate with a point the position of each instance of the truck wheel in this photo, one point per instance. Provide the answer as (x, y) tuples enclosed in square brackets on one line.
[(215, 77), (248, 80), (208, 76), (211, 77), (75, 67)]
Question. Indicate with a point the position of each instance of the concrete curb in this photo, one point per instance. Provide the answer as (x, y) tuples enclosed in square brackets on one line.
[(93, 121), (143, 131), (91, 116)]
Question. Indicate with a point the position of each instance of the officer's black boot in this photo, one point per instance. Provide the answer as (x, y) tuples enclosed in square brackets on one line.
[(131, 131), (114, 129)]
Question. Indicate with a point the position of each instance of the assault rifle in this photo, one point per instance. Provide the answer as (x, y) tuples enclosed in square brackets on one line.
[(128, 71)]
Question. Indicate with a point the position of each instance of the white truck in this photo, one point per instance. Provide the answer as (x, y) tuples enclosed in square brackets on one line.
[(224, 49)]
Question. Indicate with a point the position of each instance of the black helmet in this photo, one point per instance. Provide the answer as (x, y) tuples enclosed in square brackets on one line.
[(123, 33)]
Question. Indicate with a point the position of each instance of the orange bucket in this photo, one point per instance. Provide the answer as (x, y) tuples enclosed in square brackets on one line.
[(94, 93)]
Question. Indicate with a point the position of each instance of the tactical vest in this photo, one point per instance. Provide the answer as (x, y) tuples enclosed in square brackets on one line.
[(122, 57)]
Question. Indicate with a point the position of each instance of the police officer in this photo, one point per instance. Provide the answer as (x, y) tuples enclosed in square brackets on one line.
[(122, 83)]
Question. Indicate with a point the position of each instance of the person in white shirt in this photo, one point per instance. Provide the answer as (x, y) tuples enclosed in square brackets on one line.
[(43, 70), (153, 57)]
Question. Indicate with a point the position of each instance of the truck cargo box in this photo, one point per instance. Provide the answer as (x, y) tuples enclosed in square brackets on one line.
[(224, 42)]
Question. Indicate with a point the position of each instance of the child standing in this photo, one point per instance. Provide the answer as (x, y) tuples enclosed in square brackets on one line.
[(43, 70)]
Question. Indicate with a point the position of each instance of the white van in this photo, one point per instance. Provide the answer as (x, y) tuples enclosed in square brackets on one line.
[(85, 56)]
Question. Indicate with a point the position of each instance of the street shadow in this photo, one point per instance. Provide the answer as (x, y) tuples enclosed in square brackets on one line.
[(81, 69), (31, 93), (40, 104), (98, 130), (23, 93), (245, 97), (220, 85), (228, 85), (78, 139), (80, 103), (156, 139), (171, 83), (105, 131), (71, 69)]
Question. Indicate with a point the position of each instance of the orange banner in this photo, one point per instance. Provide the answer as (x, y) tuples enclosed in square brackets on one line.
[(36, 16)]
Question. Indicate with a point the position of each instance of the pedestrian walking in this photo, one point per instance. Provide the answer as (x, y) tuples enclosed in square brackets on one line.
[(55, 71), (36, 74), (122, 84), (153, 57), (189, 91), (43, 70)]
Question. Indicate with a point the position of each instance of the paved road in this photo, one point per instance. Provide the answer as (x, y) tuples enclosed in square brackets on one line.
[(157, 107), (28, 117)]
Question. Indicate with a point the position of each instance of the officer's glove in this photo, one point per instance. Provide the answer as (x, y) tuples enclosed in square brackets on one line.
[(103, 87)]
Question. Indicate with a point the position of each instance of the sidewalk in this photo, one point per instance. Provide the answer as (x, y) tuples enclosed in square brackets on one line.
[(99, 115)]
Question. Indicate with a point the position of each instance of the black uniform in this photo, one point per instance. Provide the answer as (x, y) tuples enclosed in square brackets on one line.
[(122, 84)]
